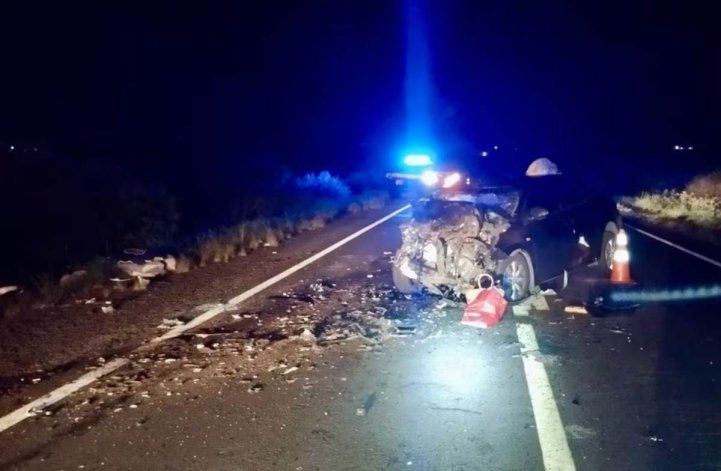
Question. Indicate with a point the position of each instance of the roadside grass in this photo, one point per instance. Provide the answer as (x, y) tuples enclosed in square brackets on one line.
[(222, 245), (303, 204), (696, 208), (706, 186)]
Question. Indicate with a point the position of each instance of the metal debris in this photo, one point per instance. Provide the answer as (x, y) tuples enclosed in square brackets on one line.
[(451, 243)]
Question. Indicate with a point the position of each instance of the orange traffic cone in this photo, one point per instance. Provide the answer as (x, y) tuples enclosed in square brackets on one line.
[(620, 270)]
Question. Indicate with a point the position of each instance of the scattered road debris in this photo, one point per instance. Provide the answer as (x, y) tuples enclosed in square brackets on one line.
[(7, 289), (575, 310)]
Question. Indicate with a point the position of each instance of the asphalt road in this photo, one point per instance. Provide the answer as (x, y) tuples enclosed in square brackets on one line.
[(633, 390)]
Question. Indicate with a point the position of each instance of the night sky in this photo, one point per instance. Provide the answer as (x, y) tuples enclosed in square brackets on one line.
[(203, 93)]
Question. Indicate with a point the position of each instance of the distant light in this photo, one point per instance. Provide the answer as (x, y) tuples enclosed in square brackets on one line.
[(484, 154), (495, 147), (12, 147), (451, 179), (429, 178), (677, 147), (417, 160), (690, 147)]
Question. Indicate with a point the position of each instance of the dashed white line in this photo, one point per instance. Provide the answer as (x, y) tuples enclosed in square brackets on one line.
[(26, 411), (549, 426)]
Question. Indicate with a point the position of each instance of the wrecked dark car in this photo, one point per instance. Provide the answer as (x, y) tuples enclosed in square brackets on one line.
[(525, 234)]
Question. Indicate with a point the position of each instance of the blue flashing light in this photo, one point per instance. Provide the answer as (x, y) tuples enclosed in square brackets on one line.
[(418, 160)]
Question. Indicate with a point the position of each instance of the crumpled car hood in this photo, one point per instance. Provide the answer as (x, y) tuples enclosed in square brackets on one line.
[(451, 243)]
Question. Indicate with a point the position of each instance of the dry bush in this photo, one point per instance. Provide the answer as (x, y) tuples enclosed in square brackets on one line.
[(49, 289), (677, 208), (240, 234), (53, 290), (323, 184), (285, 226), (708, 186), (256, 231), (10, 308), (213, 248), (373, 200), (183, 265)]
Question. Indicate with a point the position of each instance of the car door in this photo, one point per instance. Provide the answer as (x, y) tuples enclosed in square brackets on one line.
[(585, 221), (548, 227)]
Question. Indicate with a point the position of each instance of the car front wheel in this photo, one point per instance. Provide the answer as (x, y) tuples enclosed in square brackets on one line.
[(517, 276), (608, 247)]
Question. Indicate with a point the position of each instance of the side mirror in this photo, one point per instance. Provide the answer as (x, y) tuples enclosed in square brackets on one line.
[(536, 214)]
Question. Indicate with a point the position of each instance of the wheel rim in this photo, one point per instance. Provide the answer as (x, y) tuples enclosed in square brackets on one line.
[(608, 253), (516, 276)]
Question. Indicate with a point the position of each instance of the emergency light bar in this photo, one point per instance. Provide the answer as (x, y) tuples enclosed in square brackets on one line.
[(417, 160)]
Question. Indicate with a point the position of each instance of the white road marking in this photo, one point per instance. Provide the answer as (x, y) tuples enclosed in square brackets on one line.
[(26, 411), (64, 391), (271, 281), (549, 426), (538, 303), (675, 246)]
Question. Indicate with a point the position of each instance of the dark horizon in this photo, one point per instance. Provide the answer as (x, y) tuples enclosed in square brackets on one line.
[(188, 94)]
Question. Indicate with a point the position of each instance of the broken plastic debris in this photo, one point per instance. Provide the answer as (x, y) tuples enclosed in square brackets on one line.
[(7, 289), (575, 310), (307, 336), (107, 309), (148, 269), (170, 323)]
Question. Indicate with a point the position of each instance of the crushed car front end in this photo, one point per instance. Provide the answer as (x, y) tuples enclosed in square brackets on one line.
[(452, 239)]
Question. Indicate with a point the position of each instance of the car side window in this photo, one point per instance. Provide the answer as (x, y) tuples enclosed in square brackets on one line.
[(546, 197), (554, 194)]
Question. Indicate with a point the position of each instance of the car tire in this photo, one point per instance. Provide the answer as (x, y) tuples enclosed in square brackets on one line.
[(404, 284), (518, 276), (608, 246)]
